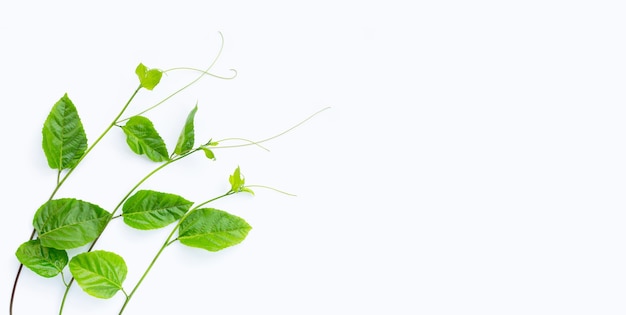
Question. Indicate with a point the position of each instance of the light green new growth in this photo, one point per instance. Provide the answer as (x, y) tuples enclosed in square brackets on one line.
[(69, 223)]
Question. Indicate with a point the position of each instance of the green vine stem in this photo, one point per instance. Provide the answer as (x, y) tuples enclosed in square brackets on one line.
[(119, 205), (62, 180), (165, 244), (169, 241), (177, 158), (202, 74), (259, 142)]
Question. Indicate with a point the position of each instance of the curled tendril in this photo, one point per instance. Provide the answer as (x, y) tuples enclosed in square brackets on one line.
[(202, 74)]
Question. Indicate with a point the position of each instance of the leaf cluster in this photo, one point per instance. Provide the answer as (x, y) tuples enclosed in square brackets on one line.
[(63, 224)]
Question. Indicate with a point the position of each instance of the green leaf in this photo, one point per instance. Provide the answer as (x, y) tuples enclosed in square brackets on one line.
[(209, 154), (69, 223), (142, 138), (248, 190), (148, 78), (186, 138), (64, 140), (149, 209), (99, 273), (44, 261), (212, 229), (237, 181)]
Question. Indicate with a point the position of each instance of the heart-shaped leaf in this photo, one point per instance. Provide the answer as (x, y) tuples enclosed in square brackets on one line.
[(148, 78)]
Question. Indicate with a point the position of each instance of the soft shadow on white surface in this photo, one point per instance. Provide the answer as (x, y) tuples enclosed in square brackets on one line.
[(471, 161)]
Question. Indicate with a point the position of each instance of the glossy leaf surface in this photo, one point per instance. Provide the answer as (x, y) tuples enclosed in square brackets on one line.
[(44, 261), (187, 137), (143, 139), (99, 273), (69, 223), (212, 229), (148, 78), (149, 209), (64, 140)]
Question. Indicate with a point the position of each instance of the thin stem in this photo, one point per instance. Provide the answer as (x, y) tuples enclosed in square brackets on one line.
[(113, 123), (165, 244), (17, 276), (62, 180), (128, 297), (272, 137), (208, 201), (119, 205), (63, 279), (271, 188), (203, 73), (118, 120), (250, 142), (65, 295), (160, 167), (169, 240)]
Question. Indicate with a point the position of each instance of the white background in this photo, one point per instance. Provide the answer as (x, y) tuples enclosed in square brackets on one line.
[(472, 160)]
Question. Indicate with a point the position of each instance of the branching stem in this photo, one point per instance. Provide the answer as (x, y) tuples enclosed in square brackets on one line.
[(60, 183), (166, 244), (202, 74)]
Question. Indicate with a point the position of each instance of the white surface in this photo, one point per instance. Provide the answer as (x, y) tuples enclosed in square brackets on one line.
[(472, 161)]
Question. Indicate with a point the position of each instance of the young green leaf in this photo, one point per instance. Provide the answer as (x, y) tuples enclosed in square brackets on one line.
[(149, 209), (148, 78), (248, 190), (64, 140), (209, 154), (142, 138), (44, 261), (99, 273), (212, 229), (186, 138), (69, 223), (238, 182)]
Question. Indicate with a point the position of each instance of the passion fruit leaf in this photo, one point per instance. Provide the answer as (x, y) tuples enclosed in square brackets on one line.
[(237, 181), (208, 153), (143, 139), (212, 229), (69, 223), (148, 209), (148, 78), (64, 139), (44, 261), (99, 273), (186, 138)]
